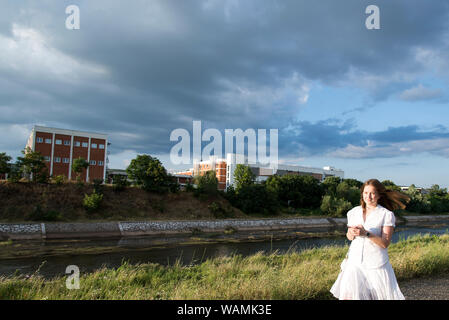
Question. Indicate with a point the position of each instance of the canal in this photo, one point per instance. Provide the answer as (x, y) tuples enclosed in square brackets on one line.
[(50, 258)]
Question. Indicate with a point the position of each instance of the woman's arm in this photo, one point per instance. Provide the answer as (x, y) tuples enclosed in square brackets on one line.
[(383, 241)]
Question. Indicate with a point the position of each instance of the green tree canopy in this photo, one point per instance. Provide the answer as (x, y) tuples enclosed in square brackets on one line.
[(295, 190), (243, 176), (149, 173), (347, 192), (78, 165), (390, 185), (354, 183), (207, 183), (33, 163), (5, 166), (330, 185)]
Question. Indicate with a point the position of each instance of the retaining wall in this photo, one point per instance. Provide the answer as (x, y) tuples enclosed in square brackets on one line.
[(136, 228)]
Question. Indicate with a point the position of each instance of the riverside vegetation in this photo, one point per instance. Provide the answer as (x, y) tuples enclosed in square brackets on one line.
[(295, 275), (31, 195)]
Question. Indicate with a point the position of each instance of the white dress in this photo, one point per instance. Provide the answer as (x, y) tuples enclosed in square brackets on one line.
[(367, 274)]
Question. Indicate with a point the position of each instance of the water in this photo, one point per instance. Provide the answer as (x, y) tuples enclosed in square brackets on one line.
[(168, 250)]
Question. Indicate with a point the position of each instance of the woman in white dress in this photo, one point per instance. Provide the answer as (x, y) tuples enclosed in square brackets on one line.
[(366, 273)]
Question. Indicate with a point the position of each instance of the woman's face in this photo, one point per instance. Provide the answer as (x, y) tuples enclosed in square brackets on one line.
[(370, 196)]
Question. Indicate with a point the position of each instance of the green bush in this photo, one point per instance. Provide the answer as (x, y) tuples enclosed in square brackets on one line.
[(254, 199), (296, 191), (206, 184), (38, 214), (119, 183), (351, 194), (220, 212), (59, 180), (335, 207), (437, 201), (92, 202), (98, 186)]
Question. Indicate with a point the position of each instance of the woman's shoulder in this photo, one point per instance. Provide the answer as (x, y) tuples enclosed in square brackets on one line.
[(355, 210), (384, 210)]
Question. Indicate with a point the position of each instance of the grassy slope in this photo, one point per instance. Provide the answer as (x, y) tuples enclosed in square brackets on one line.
[(305, 275), (19, 200)]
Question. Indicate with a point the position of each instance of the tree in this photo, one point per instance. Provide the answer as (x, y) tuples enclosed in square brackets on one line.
[(243, 176), (347, 192), (5, 166), (33, 163), (207, 183), (439, 199), (354, 183), (149, 173), (335, 207), (330, 185), (390, 185), (255, 198), (78, 165), (418, 202), (296, 191), (436, 191)]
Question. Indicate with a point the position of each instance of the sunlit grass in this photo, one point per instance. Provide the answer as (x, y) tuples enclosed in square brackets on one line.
[(295, 275)]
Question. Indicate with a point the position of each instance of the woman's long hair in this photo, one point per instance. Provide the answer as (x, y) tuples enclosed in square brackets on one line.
[(387, 198)]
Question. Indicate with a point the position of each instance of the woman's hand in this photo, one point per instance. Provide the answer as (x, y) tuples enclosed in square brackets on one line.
[(356, 231), (352, 233), (383, 241), (361, 230)]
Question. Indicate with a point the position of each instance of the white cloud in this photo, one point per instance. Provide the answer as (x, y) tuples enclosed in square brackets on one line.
[(419, 93), (14, 138), (375, 150), (122, 159), (29, 52)]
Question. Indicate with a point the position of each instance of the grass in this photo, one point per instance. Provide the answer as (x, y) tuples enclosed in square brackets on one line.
[(295, 275), (32, 202)]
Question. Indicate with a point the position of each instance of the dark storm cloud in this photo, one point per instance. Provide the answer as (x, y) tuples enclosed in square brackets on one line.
[(138, 70)]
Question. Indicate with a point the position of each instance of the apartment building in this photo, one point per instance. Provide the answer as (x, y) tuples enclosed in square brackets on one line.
[(60, 147)]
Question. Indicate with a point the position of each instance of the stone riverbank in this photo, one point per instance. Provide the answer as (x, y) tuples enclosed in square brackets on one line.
[(21, 231)]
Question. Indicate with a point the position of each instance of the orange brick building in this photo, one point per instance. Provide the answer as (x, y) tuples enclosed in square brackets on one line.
[(60, 147), (214, 164)]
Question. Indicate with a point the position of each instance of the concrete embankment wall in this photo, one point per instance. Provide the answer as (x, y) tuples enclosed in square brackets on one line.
[(138, 228)]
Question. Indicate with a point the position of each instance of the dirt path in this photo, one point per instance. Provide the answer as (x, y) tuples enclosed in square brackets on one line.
[(428, 288)]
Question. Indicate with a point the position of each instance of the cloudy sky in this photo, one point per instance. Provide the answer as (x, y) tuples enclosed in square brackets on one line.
[(373, 103)]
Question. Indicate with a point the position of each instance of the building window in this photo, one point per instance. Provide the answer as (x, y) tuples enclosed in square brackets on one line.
[(47, 158), (58, 141), (67, 142), (77, 144), (57, 159), (39, 140), (48, 141), (101, 146), (94, 146), (66, 160), (85, 144), (100, 163), (92, 162)]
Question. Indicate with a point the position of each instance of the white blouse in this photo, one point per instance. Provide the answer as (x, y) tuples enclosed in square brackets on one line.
[(362, 250)]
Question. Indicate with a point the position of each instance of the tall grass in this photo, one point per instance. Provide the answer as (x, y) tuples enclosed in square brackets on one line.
[(295, 275)]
